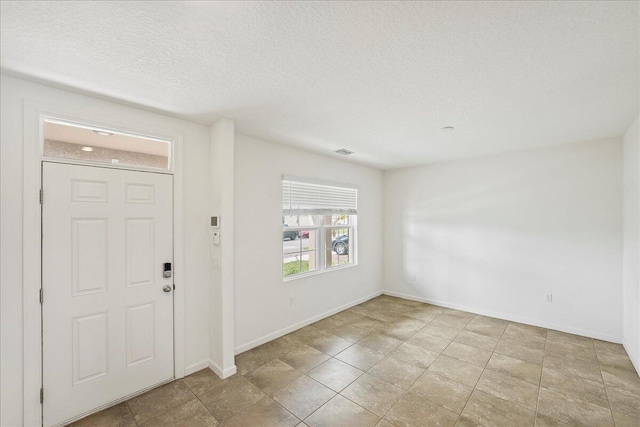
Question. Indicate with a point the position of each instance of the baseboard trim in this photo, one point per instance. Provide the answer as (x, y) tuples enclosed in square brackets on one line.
[(222, 373), (635, 358), (195, 367), (547, 325), (284, 331)]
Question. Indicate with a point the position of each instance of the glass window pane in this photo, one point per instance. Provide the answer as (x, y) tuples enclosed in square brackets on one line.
[(77, 142), (297, 263), (298, 240), (338, 246)]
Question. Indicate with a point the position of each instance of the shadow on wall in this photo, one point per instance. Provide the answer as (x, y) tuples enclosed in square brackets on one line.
[(465, 237)]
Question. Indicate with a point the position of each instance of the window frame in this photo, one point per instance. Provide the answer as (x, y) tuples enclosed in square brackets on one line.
[(320, 248)]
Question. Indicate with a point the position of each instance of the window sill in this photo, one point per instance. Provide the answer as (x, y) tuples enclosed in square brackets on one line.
[(318, 272)]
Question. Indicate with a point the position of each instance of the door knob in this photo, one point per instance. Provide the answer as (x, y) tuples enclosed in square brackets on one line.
[(167, 288)]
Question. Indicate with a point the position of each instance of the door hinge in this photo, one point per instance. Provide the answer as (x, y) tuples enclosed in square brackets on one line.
[(41, 196), (174, 286), (41, 395), (41, 296)]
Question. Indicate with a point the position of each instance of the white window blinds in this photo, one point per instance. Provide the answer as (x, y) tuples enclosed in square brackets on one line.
[(301, 196)]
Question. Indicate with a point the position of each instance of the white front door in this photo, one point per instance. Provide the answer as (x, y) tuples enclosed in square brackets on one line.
[(107, 313)]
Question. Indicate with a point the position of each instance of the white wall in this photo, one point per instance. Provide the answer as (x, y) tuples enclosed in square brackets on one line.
[(493, 235), (221, 313), (196, 151), (261, 297), (631, 257)]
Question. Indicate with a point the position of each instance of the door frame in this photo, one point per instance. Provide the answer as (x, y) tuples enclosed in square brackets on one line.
[(34, 114)]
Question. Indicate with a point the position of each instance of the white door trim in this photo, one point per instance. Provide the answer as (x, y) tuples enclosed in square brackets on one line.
[(33, 113)]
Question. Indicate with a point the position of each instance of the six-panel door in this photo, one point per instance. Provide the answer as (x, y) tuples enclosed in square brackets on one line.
[(107, 322)]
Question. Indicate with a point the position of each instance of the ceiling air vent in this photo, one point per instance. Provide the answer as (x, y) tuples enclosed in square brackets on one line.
[(344, 151)]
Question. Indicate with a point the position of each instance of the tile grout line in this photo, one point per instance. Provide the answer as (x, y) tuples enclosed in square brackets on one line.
[(483, 369), (544, 353)]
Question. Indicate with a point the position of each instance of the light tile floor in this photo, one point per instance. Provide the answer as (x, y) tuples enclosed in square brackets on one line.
[(393, 362)]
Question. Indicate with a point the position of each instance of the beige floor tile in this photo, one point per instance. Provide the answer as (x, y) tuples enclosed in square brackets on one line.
[(615, 360), (468, 353), (609, 347), (519, 350), (624, 401), (384, 423), (490, 330), (484, 409), (556, 408), (621, 378), (304, 358), (581, 388), (303, 396), (380, 342), (414, 355), (258, 356), (397, 372), (429, 342), (160, 400), (534, 342), (520, 329), (441, 331), (347, 316), (203, 381), (330, 344), (572, 367), (117, 416), (421, 314), (404, 328), (360, 357), (335, 374), (480, 319), (328, 324), (340, 411), (286, 343), (558, 336), (443, 391), (373, 394), (456, 370), (192, 414), (624, 420), (265, 413), (273, 375), (477, 340), (415, 411), (571, 350), (460, 314), (307, 334), (520, 369), (356, 331), (450, 321), (385, 315), (237, 395), (508, 388)]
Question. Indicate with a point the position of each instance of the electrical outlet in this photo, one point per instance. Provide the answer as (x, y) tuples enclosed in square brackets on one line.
[(291, 301), (414, 278), (548, 298)]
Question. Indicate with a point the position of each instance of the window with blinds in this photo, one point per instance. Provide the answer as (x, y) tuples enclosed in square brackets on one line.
[(318, 226), (314, 198)]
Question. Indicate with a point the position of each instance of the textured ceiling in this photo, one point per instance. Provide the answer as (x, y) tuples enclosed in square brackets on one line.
[(380, 79)]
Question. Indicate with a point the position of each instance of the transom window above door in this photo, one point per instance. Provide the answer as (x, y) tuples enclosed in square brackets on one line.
[(85, 143), (318, 226)]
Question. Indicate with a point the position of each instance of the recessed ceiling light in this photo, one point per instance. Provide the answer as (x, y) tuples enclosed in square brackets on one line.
[(447, 129), (103, 132), (343, 151), (87, 148)]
